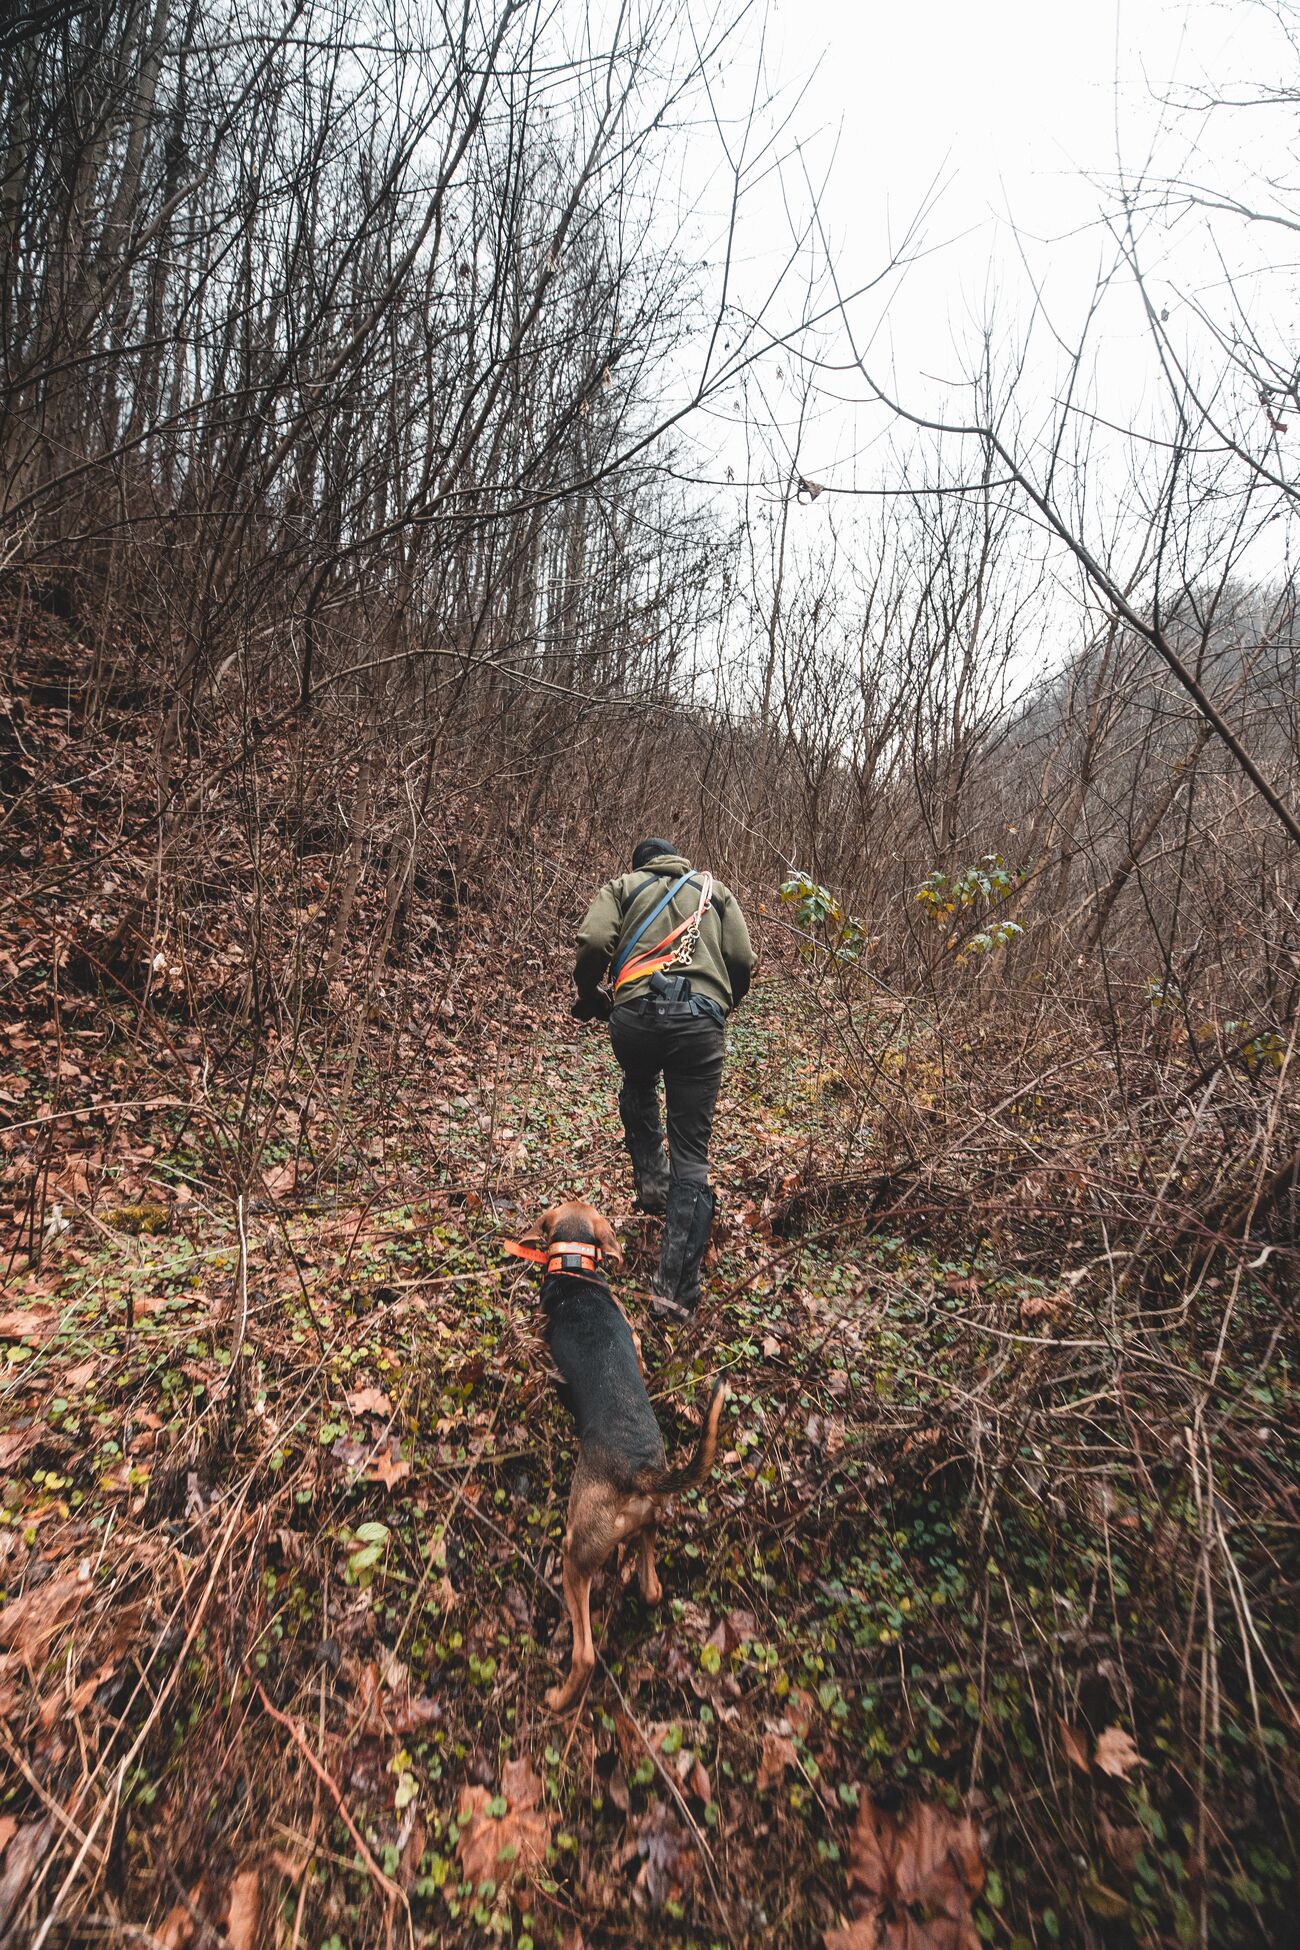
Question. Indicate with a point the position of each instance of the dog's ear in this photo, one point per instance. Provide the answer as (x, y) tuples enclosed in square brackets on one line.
[(607, 1239), (538, 1234)]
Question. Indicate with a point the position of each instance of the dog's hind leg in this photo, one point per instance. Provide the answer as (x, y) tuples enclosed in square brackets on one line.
[(577, 1597), (651, 1589)]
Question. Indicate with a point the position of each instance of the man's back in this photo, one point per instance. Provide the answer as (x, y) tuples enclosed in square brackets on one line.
[(678, 966), (721, 964)]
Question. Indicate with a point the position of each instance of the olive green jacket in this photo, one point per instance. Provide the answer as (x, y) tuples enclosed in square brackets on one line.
[(723, 963)]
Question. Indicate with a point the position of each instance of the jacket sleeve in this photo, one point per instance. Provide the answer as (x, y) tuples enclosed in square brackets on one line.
[(737, 949), (597, 940)]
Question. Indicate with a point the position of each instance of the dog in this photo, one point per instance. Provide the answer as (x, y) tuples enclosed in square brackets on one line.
[(622, 1480)]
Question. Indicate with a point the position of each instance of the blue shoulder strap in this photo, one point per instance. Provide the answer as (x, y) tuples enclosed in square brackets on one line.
[(624, 954)]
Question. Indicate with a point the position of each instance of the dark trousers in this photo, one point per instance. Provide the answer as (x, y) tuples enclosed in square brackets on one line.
[(651, 1039)]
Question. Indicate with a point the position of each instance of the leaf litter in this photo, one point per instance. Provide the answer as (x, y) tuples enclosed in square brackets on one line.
[(209, 1425), (913, 1880), (504, 1837)]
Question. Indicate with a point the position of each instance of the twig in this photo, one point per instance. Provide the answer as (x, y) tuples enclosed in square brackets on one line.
[(391, 1890), (129, 1758)]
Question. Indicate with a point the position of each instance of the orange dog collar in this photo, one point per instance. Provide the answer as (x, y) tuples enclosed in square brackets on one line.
[(561, 1256)]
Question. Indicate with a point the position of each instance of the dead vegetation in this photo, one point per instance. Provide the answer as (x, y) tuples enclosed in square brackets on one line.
[(354, 614), (981, 1631)]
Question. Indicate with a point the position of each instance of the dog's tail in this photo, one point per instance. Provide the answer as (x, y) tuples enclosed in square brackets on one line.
[(668, 1482)]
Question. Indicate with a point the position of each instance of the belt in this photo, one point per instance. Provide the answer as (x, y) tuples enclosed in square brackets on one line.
[(695, 1005)]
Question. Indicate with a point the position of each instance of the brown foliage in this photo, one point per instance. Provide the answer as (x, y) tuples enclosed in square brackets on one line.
[(507, 1848), (912, 1880), (30, 1624), (666, 1854), (1116, 1753)]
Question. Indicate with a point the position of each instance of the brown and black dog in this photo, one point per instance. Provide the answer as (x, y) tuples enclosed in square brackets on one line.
[(622, 1480)]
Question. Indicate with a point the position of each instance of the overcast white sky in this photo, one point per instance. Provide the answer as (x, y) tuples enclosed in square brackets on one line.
[(1010, 107)]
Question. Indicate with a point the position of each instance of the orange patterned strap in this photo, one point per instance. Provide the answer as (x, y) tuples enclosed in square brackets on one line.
[(665, 952)]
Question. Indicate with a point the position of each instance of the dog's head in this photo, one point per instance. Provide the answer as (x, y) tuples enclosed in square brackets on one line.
[(575, 1220)]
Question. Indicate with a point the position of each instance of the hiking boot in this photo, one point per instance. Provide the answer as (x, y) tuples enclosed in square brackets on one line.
[(675, 1288)]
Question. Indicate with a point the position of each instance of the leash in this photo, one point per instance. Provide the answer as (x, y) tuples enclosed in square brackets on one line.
[(561, 1256), (677, 946)]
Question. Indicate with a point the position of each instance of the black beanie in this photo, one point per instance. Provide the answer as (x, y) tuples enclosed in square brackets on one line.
[(646, 850)]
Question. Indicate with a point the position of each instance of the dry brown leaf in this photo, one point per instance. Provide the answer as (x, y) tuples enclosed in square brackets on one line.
[(243, 1909), (631, 1742), (700, 1783), (86, 1691), (1045, 1306), (1115, 1753), (860, 1935), (27, 1324), (520, 1784), (8, 1827), (800, 1707), (394, 1672), (778, 1755), (668, 1861), (179, 1924), (415, 1713), (618, 1788), (28, 1848), (369, 1401), (1075, 1744), (955, 1282), (388, 1470), (30, 1624), (372, 1701), (177, 1928), (771, 1346), (926, 1860), (14, 1444), (826, 1432), (729, 1632), (508, 1849)]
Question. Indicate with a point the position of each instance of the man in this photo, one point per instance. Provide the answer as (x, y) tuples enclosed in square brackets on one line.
[(679, 957)]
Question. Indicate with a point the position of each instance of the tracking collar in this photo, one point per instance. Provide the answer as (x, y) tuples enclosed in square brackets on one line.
[(561, 1256)]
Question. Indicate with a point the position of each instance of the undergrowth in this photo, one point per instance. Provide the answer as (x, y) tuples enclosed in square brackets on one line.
[(998, 1528)]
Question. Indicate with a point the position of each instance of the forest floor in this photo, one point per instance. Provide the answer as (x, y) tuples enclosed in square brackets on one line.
[(284, 1479), (322, 1576)]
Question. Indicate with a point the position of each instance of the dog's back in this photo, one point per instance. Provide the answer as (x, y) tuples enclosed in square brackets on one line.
[(622, 1479), (601, 1383)]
